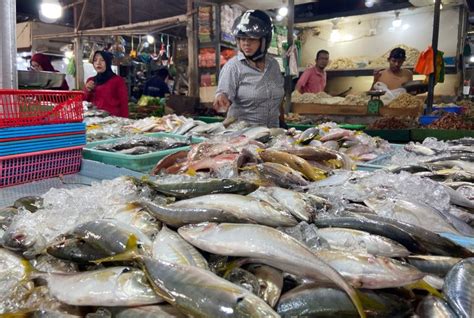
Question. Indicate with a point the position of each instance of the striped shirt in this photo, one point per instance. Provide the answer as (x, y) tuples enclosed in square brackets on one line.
[(255, 95)]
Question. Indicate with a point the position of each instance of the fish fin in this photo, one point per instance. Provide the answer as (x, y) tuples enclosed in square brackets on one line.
[(19, 314), (334, 163), (421, 284), (133, 206), (191, 172), (370, 303), (131, 252), (357, 302), (319, 174)]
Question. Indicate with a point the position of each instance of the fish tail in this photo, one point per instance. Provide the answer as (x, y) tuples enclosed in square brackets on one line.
[(421, 284)]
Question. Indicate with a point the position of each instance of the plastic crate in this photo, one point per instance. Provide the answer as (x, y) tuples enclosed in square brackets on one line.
[(450, 109), (428, 119), (31, 107), (40, 144), (140, 163), (17, 169), (45, 131)]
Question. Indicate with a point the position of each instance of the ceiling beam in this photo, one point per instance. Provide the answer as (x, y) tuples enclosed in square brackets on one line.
[(375, 9)]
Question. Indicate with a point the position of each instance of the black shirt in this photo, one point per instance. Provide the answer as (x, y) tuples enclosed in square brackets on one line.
[(156, 87)]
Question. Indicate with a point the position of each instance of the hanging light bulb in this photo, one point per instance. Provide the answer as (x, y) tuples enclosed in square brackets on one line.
[(397, 22), (150, 39), (369, 3), (283, 11), (50, 10)]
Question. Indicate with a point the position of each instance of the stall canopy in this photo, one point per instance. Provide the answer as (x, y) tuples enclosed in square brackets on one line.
[(89, 16)]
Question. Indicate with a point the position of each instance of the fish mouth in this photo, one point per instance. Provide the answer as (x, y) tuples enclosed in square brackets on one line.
[(17, 241)]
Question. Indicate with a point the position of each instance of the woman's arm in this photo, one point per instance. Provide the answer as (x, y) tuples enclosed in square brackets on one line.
[(122, 93)]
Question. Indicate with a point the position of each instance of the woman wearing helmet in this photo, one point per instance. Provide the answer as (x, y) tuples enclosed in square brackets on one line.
[(251, 84)]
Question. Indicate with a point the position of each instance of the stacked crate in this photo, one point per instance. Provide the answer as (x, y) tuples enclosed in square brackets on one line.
[(41, 135)]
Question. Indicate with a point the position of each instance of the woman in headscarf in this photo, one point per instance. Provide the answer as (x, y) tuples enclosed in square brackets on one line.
[(41, 62), (107, 90)]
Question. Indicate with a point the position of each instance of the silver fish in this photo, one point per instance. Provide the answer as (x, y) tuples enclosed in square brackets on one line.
[(171, 247), (177, 216), (371, 272), (419, 149), (415, 213), (161, 311), (433, 307), (266, 245), (114, 286), (281, 175), (458, 199), (459, 288), (109, 236), (361, 242), (437, 265), (201, 293), (315, 301), (242, 207), (302, 206)]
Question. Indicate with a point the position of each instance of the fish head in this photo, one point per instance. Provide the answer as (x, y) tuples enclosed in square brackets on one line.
[(74, 249), (251, 305), (18, 239)]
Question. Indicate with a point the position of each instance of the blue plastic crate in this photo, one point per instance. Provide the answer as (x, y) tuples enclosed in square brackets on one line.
[(428, 119), (450, 109), (39, 131), (40, 144)]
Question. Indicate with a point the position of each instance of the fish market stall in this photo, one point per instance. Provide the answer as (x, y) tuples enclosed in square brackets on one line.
[(373, 232)]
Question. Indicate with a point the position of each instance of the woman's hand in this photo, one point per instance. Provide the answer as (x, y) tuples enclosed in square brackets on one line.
[(221, 103), (90, 85)]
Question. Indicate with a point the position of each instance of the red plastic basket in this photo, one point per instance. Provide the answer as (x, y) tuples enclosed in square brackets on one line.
[(23, 168), (29, 107)]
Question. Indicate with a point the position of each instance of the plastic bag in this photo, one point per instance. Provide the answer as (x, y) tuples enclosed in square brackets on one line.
[(389, 94)]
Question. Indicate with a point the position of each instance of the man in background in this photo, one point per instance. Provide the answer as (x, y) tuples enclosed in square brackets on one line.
[(394, 76), (313, 79), (156, 86)]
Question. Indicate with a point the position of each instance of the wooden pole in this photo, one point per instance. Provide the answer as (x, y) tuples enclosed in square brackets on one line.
[(288, 77), (434, 45), (102, 7), (171, 21), (193, 89), (78, 53)]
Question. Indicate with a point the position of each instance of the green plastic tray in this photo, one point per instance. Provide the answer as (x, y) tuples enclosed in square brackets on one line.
[(440, 134), (391, 135), (299, 127), (140, 163), (353, 126), (210, 119)]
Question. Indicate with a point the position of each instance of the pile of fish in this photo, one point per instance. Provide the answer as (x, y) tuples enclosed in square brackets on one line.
[(139, 145), (450, 161), (340, 243), (100, 128)]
